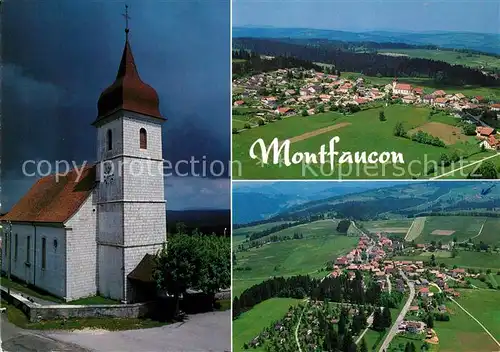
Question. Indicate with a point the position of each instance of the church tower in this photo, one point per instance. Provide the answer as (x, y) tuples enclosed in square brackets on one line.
[(131, 218)]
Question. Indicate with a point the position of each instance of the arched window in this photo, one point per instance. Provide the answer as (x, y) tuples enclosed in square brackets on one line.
[(143, 139), (110, 140)]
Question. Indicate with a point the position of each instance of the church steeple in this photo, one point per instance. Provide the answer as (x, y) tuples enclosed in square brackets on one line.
[(128, 91)]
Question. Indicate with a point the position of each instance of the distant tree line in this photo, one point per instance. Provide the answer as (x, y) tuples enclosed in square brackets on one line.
[(254, 64), (293, 287), (371, 64), (370, 46)]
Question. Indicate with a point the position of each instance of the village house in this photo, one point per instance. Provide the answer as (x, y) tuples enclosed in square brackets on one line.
[(484, 132), (401, 88), (238, 103), (428, 99), (424, 292), (285, 111), (440, 102), (439, 93), (408, 99), (418, 90), (490, 143)]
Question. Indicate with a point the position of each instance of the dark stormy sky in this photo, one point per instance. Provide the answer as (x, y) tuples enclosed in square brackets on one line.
[(58, 56)]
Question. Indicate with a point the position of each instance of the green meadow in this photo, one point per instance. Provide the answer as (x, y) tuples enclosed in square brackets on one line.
[(250, 324), (364, 133), (464, 227), (288, 258), (462, 333), (464, 259), (451, 57)]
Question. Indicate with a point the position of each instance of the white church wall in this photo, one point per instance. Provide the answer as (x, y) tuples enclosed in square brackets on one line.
[(19, 269), (27, 262), (132, 123), (115, 127), (143, 180), (144, 223), (81, 239), (110, 223), (111, 279), (52, 278)]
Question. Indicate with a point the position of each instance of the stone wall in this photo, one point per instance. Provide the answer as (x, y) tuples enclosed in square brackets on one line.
[(36, 312)]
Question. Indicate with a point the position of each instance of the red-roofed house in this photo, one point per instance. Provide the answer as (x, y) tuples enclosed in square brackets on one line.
[(439, 93), (402, 89), (495, 107), (418, 90), (424, 291), (94, 229), (491, 143), (484, 132), (238, 103)]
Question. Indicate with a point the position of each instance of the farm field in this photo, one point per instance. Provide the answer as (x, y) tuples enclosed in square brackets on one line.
[(415, 229), (243, 231), (491, 232), (364, 133), (251, 323), (461, 333), (464, 259), (483, 305), (312, 229), (451, 57), (393, 227), (445, 228), (287, 258)]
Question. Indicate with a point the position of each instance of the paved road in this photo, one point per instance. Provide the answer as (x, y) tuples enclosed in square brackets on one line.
[(394, 328), (201, 332), (14, 339)]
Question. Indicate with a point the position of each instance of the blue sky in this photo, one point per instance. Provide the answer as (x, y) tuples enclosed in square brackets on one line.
[(481, 16), (58, 56)]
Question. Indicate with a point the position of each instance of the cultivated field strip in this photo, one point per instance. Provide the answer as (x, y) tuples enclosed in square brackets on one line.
[(415, 229)]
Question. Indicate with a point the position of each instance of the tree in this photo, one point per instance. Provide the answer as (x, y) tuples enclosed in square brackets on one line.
[(399, 130), (469, 129), (386, 317), (430, 321), (197, 262), (304, 112), (433, 260), (381, 116), (363, 347), (236, 307), (487, 170)]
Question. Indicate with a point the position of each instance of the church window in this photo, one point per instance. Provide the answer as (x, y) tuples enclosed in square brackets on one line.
[(143, 138), (44, 252), (109, 140), (15, 246), (28, 248)]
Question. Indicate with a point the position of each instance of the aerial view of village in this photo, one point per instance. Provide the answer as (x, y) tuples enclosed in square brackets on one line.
[(424, 89), (372, 266)]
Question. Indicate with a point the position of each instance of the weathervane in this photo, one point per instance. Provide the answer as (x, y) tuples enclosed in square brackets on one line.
[(127, 17)]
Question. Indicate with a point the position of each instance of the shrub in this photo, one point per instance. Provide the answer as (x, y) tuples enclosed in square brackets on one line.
[(261, 122), (247, 126), (235, 130)]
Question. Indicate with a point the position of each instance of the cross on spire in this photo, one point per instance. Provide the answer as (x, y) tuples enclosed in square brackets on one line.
[(127, 17)]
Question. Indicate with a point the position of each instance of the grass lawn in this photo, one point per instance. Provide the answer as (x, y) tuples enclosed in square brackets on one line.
[(464, 227), (461, 333), (251, 323), (29, 290), (464, 259), (365, 133), (93, 300), (17, 317), (287, 258)]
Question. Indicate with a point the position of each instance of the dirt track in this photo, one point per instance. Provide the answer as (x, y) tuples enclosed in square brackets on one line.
[(318, 132)]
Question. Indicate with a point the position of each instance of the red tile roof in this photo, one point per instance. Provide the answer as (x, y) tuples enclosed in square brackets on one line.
[(53, 199), (403, 86), (484, 131)]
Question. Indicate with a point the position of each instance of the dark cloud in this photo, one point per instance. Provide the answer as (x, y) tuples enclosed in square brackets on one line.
[(59, 56)]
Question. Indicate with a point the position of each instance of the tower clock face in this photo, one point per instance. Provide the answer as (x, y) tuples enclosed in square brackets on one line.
[(108, 174)]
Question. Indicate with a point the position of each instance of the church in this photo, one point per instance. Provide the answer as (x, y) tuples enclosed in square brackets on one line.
[(94, 230)]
